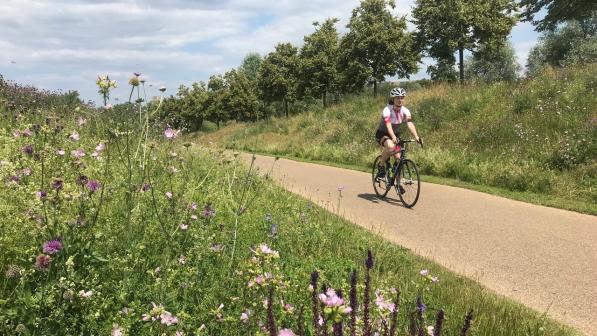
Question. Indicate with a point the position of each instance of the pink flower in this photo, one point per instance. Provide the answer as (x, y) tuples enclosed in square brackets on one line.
[(244, 317), (169, 194), (179, 333), (382, 304), (52, 246), (424, 272), (79, 153), (108, 107), (26, 171), (217, 248), (100, 147), (27, 132), (60, 152), (194, 217), (260, 280), (171, 133), (168, 319), (330, 298), (116, 331), (74, 136), (286, 332), (183, 226), (85, 294), (16, 134), (81, 121), (194, 206)]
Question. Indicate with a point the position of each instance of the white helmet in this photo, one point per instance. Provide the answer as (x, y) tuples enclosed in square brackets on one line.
[(397, 92)]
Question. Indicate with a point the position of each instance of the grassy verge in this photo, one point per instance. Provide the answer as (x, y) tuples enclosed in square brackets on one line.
[(529, 197)]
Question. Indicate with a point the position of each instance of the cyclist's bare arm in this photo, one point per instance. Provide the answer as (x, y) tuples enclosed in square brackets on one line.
[(391, 132), (413, 129)]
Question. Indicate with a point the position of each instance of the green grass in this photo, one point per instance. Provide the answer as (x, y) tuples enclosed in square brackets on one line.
[(532, 141)]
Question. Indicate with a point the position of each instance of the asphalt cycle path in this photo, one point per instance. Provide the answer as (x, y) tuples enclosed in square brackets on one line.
[(543, 257)]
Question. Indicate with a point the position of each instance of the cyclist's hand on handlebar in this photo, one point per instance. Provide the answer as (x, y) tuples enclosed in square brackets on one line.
[(395, 141)]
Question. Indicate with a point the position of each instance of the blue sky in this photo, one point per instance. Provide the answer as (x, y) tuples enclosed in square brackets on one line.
[(65, 44)]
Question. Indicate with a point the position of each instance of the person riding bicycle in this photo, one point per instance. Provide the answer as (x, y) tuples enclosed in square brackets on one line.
[(387, 134)]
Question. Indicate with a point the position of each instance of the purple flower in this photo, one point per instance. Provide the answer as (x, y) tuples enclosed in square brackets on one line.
[(28, 150), (145, 187), (42, 262), (52, 246), (27, 132), (16, 179), (57, 184), (194, 206), (208, 212), (93, 185), (41, 194), (171, 133)]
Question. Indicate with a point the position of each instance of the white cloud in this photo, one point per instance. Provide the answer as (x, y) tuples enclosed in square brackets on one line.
[(65, 44)]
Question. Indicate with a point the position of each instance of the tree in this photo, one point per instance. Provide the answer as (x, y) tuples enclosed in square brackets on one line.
[(242, 101), (318, 61), (493, 67), (217, 95), (277, 78), (570, 44), (250, 66), (558, 11), (192, 105), (377, 45), (447, 26)]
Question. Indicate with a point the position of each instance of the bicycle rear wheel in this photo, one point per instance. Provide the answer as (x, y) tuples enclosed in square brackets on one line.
[(380, 184), (408, 183)]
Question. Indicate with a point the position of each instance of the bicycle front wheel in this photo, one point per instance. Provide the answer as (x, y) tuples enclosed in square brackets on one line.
[(380, 181), (408, 183)]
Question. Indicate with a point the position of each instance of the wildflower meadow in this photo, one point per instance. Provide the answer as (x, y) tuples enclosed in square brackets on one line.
[(110, 224)]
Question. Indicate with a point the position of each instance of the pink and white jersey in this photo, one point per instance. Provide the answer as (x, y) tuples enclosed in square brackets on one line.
[(394, 116)]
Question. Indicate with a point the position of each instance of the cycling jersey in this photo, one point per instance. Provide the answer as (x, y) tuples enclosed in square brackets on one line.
[(396, 118)]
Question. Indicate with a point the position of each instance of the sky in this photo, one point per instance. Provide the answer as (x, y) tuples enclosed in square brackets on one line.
[(65, 44)]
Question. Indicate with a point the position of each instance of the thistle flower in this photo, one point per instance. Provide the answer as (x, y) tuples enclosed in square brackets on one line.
[(93, 186), (57, 184), (145, 187), (28, 149), (52, 246), (42, 262), (41, 194)]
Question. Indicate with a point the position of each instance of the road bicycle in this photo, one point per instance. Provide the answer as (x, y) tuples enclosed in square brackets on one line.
[(403, 175)]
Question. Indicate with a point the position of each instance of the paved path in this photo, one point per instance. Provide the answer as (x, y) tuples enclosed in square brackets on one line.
[(540, 256)]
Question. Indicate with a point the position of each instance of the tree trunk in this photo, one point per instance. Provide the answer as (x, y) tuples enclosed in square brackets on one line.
[(325, 104), (461, 59), (286, 107), (375, 88)]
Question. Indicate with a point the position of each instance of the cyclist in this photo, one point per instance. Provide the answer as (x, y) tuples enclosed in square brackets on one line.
[(387, 134)]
